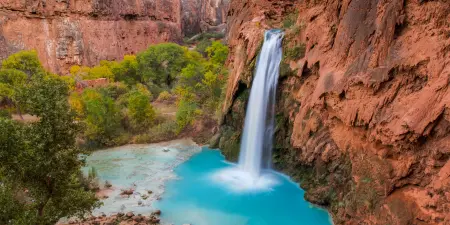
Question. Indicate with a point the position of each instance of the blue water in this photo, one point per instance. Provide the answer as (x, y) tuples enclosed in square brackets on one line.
[(195, 198)]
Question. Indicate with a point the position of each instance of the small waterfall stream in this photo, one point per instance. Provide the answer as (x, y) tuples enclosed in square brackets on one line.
[(256, 143)]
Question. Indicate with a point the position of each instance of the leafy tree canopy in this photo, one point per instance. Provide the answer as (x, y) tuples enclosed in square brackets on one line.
[(161, 64)]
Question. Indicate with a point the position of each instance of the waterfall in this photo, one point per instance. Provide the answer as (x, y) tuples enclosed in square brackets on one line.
[(256, 143)]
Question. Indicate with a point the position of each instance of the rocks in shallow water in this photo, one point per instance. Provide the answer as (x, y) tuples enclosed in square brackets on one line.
[(145, 197), (127, 192), (120, 218), (137, 218), (156, 212), (108, 184), (149, 192), (166, 150), (104, 197), (139, 202)]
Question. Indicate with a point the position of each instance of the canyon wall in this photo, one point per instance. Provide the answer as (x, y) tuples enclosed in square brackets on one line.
[(363, 112), (83, 32)]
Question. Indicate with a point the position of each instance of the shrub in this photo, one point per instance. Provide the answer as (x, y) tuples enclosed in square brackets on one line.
[(5, 113), (161, 132), (290, 20), (186, 114), (164, 96), (102, 117), (140, 110), (202, 46), (218, 52), (295, 53)]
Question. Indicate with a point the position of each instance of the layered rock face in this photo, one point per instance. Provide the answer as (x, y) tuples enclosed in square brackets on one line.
[(204, 15), (83, 32), (364, 106)]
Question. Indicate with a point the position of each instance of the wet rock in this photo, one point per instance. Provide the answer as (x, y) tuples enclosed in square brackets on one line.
[(130, 214), (149, 192), (139, 202), (156, 212), (108, 184), (137, 218), (120, 214), (127, 192)]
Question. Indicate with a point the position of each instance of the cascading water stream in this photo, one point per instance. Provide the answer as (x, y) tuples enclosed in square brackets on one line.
[(256, 143)]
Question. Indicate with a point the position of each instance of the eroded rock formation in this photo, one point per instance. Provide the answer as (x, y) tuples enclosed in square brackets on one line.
[(83, 32), (364, 107)]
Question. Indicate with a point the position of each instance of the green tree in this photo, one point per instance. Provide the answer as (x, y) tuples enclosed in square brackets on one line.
[(126, 70), (217, 52), (191, 75), (161, 64), (102, 117), (12, 82), (186, 113), (140, 110), (202, 46), (25, 61), (41, 159)]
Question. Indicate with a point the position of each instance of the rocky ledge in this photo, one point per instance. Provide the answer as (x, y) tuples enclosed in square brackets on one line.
[(119, 218)]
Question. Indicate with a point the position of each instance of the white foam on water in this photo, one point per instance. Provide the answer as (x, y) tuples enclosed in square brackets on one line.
[(240, 181)]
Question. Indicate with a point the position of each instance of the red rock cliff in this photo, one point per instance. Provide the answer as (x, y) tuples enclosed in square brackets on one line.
[(364, 107), (83, 32)]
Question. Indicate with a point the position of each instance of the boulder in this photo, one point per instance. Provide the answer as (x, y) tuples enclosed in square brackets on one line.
[(137, 218), (108, 184), (127, 192), (130, 214), (156, 212)]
